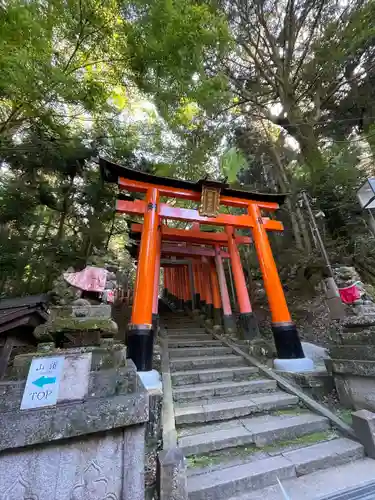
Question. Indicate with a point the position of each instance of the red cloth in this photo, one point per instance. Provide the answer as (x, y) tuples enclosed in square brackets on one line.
[(350, 294), (90, 279)]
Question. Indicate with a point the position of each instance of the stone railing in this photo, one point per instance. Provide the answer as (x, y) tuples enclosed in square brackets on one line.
[(172, 464)]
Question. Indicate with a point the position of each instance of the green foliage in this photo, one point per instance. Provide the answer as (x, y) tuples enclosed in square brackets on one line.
[(231, 162), (161, 86)]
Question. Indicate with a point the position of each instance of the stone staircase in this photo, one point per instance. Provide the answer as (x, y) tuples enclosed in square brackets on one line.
[(241, 434)]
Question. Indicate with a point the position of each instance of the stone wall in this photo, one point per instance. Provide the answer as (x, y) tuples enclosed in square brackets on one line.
[(353, 362), (88, 446)]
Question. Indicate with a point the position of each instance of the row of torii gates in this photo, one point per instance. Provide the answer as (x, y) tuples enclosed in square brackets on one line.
[(193, 259)]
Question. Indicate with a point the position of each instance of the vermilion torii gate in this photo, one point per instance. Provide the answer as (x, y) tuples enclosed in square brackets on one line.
[(211, 195), (214, 295)]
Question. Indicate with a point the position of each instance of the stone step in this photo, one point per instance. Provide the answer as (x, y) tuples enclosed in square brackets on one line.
[(215, 410), (321, 484), (196, 362), (173, 344), (199, 351), (237, 373), (247, 477), (363, 352), (187, 330), (258, 431), (188, 336), (355, 322), (183, 325), (217, 389)]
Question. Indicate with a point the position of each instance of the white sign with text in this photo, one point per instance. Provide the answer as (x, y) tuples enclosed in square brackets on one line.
[(43, 381)]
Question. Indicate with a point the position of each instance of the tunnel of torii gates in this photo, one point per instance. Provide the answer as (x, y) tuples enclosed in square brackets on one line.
[(193, 259)]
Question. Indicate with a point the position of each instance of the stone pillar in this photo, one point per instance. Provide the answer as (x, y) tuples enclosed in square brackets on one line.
[(352, 362), (173, 480), (248, 321)]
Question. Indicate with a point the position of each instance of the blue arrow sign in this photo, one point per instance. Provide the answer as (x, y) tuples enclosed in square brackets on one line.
[(42, 381)]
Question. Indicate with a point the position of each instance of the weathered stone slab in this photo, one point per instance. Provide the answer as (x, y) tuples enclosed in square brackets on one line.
[(358, 321), (353, 352), (153, 442), (225, 410), (363, 422), (206, 391), (75, 377), (193, 343), (75, 311), (102, 357), (24, 428), (85, 469), (212, 375), (133, 463), (316, 353), (173, 480), (215, 440), (206, 362), (323, 455), (363, 368), (270, 428), (225, 483), (360, 337), (107, 383), (198, 351)]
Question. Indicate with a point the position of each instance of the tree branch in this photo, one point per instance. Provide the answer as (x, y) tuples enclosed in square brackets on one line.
[(309, 39)]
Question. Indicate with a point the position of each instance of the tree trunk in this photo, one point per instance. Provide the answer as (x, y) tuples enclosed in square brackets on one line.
[(304, 230), (285, 186), (110, 232), (64, 210), (310, 152)]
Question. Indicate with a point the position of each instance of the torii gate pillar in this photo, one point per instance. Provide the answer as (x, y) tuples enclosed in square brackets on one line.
[(288, 345), (248, 322), (140, 339)]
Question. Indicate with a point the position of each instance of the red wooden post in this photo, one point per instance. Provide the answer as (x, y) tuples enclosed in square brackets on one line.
[(248, 321), (166, 282), (202, 285), (207, 285), (155, 304), (228, 321), (140, 338), (196, 284), (216, 300), (287, 342)]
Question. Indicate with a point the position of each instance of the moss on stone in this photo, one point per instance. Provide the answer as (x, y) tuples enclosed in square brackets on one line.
[(64, 324), (308, 439), (248, 452), (291, 411), (345, 415)]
